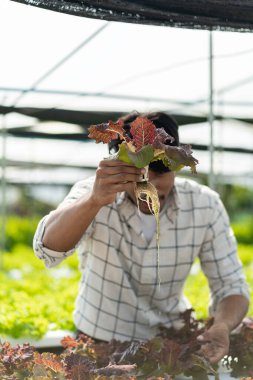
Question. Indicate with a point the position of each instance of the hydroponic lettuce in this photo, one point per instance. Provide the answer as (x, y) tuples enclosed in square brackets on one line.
[(172, 353), (145, 144), (29, 309)]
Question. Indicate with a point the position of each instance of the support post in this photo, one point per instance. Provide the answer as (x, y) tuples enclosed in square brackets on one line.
[(211, 176), (3, 194)]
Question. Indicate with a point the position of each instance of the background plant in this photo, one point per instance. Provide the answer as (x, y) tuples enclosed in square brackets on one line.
[(29, 294), (171, 353)]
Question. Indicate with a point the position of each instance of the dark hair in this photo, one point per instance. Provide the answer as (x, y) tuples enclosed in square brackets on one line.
[(161, 120)]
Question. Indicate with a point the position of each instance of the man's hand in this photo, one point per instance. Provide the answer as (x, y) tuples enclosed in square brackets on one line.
[(228, 315), (113, 176), (215, 342)]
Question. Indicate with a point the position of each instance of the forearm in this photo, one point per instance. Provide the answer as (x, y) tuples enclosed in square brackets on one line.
[(231, 310), (65, 226)]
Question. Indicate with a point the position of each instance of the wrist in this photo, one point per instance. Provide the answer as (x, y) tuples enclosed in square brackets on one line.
[(89, 201), (222, 325)]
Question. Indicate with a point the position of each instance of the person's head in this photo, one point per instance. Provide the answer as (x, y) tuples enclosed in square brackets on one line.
[(161, 177)]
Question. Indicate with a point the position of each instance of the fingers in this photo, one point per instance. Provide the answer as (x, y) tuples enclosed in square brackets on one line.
[(118, 165), (204, 338), (117, 172), (213, 347), (114, 176), (212, 352)]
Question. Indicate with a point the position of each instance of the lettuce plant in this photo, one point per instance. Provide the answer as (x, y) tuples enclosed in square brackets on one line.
[(164, 357)]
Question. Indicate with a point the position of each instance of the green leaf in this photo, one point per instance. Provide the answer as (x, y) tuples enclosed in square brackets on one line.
[(175, 158), (143, 157), (180, 156), (123, 153), (173, 165), (40, 372)]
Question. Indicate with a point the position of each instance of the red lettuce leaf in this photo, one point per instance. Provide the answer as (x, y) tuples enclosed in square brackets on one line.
[(143, 132), (162, 138), (106, 132)]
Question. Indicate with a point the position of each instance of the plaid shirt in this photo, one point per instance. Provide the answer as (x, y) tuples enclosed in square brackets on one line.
[(119, 295)]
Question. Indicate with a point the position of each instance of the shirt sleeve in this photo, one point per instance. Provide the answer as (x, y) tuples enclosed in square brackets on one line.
[(50, 257), (219, 259)]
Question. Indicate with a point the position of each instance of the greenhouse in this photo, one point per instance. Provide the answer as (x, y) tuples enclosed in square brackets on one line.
[(67, 66)]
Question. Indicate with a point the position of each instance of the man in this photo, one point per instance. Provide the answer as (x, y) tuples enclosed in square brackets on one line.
[(120, 295)]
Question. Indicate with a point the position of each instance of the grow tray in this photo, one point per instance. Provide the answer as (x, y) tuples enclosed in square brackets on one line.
[(52, 339)]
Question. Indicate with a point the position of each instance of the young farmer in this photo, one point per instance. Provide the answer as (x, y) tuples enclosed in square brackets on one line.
[(120, 295)]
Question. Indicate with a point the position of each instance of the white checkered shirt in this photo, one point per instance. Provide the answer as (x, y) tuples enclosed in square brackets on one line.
[(119, 295)]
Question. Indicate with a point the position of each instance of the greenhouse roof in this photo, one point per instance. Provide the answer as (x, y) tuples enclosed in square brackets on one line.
[(59, 68)]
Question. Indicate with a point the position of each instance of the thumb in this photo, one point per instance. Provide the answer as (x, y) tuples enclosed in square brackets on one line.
[(203, 337)]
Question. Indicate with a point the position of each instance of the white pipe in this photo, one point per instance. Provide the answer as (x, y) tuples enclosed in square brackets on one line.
[(3, 193), (211, 176)]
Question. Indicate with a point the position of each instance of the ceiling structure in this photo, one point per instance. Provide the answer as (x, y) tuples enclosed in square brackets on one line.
[(60, 73), (85, 119)]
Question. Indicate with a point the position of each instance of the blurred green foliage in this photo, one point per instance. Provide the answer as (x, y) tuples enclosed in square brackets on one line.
[(238, 201), (19, 230), (31, 296), (243, 230)]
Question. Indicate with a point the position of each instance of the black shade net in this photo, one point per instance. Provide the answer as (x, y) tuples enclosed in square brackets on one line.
[(224, 15)]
